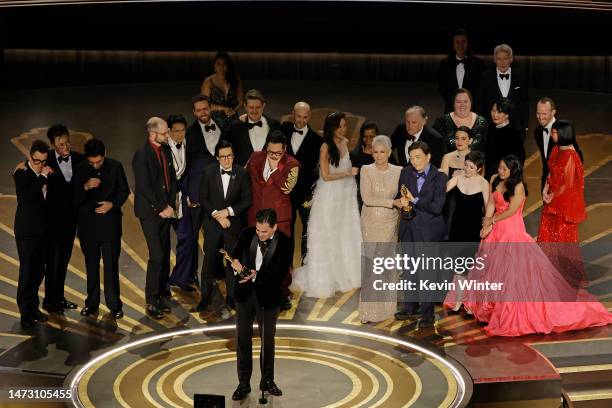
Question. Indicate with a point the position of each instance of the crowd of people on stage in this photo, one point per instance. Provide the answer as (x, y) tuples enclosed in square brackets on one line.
[(462, 178)]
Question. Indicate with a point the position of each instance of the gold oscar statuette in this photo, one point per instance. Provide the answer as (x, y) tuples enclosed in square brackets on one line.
[(407, 211)]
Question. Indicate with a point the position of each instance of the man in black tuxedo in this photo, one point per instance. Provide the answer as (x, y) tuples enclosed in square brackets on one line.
[(415, 129), (250, 136), (155, 206), (31, 223), (100, 189), (460, 69), (265, 251), (504, 82), (202, 138), (427, 194), (304, 144), (62, 217), (545, 114), (225, 197)]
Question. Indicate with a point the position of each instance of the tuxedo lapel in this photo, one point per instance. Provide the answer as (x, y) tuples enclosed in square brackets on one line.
[(428, 180), (269, 253), (219, 182), (253, 251), (412, 183), (231, 184)]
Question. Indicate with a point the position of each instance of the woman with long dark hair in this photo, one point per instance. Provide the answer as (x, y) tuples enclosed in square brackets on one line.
[(531, 295), (503, 137), (334, 230), (224, 88)]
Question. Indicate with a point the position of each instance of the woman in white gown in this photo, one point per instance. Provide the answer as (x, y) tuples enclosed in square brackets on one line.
[(333, 262)]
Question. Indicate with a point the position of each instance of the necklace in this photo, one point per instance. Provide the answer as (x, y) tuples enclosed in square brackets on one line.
[(459, 153)]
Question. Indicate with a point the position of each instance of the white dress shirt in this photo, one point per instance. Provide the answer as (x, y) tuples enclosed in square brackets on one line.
[(297, 139), (258, 135), (65, 167), (460, 72), (225, 180), (211, 138), (259, 255), (504, 84), (178, 157), (410, 142), (267, 172), (546, 136)]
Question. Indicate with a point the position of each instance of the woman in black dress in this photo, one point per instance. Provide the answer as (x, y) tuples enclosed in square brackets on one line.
[(224, 88), (361, 155), (503, 138)]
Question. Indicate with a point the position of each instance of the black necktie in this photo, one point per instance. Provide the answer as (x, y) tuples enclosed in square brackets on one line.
[(419, 175), (209, 128), (63, 159), (301, 132), (504, 76), (179, 145), (228, 172), (545, 130), (258, 123)]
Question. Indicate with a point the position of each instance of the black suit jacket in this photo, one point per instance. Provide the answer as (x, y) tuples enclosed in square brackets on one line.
[(275, 266), (150, 196), (238, 197), (538, 134), (308, 156), (61, 192), (31, 217), (198, 158), (428, 225), (113, 187), (239, 136), (447, 78), (437, 147), (489, 93)]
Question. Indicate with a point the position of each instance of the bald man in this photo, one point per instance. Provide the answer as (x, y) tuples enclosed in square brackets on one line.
[(303, 144), (155, 206)]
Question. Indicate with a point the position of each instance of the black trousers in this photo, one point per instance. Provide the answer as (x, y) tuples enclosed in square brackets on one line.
[(31, 252), (157, 235), (109, 251), (59, 252), (246, 312), (304, 216), (212, 267)]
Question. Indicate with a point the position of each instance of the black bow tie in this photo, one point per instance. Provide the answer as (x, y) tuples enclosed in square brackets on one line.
[(179, 145), (459, 61), (258, 123), (504, 76), (419, 175), (301, 132), (263, 245), (63, 159), (411, 138), (209, 128), (228, 172), (545, 130)]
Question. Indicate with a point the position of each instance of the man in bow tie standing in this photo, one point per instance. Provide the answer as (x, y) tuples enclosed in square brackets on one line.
[(427, 194), (415, 129), (63, 219), (503, 81), (250, 136), (264, 251), (460, 69), (303, 144), (225, 196)]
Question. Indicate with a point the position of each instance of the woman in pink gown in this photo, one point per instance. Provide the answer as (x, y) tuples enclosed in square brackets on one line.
[(525, 271)]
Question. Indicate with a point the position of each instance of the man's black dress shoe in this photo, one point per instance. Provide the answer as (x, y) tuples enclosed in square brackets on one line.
[(28, 323), (287, 303), (241, 392), (53, 308), (162, 306), (39, 316), (154, 312), (117, 314), (424, 324), (404, 315), (65, 304), (86, 311), (269, 385)]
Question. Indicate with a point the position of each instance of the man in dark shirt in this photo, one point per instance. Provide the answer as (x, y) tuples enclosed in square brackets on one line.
[(101, 188)]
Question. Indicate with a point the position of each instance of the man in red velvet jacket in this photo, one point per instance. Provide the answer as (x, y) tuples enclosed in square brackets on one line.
[(273, 175)]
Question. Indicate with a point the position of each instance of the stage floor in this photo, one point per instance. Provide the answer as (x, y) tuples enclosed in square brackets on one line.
[(509, 370)]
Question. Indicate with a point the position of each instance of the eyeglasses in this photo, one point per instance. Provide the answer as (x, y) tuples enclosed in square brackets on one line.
[(275, 154), (39, 162), (227, 156)]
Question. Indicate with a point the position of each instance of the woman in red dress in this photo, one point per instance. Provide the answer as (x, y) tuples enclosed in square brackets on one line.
[(536, 297), (563, 193)]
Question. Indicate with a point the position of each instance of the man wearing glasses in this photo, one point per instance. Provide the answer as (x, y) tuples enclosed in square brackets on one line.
[(273, 175), (31, 221), (62, 220), (155, 205), (101, 188), (225, 196)]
